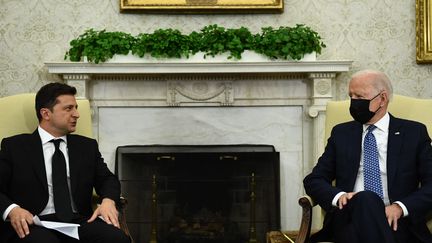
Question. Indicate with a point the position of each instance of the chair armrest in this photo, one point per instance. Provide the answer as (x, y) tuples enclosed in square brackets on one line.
[(305, 226), (310, 201), (122, 217)]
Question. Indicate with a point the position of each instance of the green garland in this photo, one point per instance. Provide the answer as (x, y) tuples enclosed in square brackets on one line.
[(283, 43)]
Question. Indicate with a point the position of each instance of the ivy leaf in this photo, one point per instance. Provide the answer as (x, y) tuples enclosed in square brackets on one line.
[(283, 42)]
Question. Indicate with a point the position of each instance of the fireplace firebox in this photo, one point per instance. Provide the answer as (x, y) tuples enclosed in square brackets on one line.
[(200, 193)]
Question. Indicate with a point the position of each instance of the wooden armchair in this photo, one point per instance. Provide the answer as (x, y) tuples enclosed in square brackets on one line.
[(338, 112), (18, 115)]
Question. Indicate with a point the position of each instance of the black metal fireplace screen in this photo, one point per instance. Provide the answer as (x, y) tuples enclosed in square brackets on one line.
[(188, 194)]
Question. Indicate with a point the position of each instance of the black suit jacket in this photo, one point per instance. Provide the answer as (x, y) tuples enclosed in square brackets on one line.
[(409, 169), (23, 178)]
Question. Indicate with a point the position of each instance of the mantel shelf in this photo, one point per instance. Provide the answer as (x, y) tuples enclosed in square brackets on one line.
[(327, 66)]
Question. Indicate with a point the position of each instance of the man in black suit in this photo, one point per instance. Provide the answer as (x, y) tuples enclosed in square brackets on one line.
[(29, 179), (391, 207)]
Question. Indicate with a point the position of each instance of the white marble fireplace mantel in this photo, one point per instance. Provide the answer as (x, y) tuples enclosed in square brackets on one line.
[(280, 103), (321, 73)]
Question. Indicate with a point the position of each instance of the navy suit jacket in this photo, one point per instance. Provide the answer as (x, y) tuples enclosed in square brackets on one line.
[(23, 178), (409, 168)]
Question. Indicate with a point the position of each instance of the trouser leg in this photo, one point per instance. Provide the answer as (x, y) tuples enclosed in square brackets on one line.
[(38, 235), (100, 232), (363, 220)]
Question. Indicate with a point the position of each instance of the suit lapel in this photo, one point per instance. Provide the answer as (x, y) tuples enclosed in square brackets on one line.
[(354, 150), (395, 138), (35, 152), (74, 160)]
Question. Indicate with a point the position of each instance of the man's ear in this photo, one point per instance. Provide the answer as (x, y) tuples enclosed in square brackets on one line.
[(45, 113), (385, 98)]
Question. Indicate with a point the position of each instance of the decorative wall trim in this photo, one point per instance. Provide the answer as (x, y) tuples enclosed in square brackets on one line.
[(199, 92), (198, 68)]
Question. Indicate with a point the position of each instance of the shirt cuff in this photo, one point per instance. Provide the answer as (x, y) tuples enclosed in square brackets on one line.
[(8, 209), (404, 209), (336, 198)]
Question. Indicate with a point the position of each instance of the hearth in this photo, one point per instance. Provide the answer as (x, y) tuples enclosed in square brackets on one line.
[(211, 193)]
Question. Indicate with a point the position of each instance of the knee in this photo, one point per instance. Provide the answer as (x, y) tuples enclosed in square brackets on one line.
[(367, 198), (101, 232), (367, 195)]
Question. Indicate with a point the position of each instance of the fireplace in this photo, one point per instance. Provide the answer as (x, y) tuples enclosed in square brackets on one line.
[(186, 194), (247, 102)]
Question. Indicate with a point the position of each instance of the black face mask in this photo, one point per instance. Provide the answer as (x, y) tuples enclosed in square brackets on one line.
[(359, 109)]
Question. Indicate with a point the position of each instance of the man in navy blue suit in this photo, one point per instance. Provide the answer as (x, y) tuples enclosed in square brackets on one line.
[(393, 205)]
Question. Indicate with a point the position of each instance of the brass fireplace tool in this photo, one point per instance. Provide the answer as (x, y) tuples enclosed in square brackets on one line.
[(153, 232), (252, 230)]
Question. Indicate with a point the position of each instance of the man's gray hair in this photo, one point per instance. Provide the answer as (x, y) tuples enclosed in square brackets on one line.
[(380, 80)]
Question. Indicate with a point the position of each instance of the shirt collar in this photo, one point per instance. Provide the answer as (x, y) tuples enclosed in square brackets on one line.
[(47, 137), (382, 124)]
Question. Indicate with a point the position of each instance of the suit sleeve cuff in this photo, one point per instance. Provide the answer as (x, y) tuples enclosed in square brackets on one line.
[(404, 209), (336, 198), (8, 209)]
